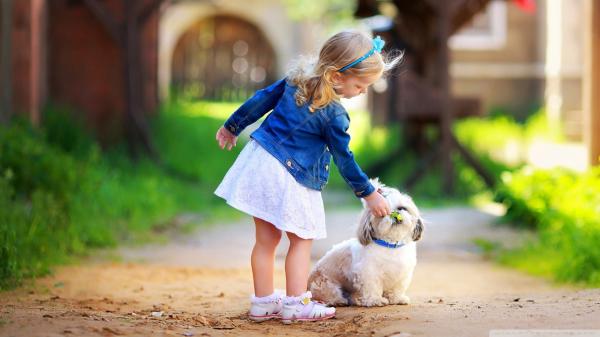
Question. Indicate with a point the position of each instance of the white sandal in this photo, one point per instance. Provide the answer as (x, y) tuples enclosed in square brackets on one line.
[(267, 307), (302, 308)]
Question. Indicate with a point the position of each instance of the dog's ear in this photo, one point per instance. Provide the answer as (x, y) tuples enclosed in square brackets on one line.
[(375, 182), (365, 230), (418, 231)]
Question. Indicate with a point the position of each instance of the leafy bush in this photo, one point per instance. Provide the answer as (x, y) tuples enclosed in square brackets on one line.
[(65, 130), (564, 208), (60, 195), (38, 184), (500, 141), (185, 134)]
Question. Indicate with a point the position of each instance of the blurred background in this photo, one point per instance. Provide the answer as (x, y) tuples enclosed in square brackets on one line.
[(109, 109)]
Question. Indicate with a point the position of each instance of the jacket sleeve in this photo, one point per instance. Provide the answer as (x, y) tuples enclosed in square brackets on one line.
[(338, 140), (255, 107)]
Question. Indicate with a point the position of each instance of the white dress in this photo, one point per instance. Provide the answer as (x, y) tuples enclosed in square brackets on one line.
[(259, 185)]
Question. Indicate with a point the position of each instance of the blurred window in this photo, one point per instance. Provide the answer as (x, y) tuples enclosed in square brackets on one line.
[(222, 58), (487, 30)]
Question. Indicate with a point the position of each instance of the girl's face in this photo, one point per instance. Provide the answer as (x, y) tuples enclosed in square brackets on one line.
[(348, 86)]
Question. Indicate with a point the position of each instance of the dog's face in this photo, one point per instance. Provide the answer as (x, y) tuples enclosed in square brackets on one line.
[(409, 228)]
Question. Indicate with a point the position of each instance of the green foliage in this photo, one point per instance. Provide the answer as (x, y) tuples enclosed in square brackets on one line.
[(501, 141), (484, 135), (185, 134), (38, 184), (538, 126), (564, 208), (489, 248), (338, 10), (65, 131), (60, 195), (561, 206)]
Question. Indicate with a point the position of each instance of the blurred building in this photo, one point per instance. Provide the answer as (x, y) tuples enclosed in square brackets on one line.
[(512, 57), (62, 54), (507, 58), (225, 50), (517, 61)]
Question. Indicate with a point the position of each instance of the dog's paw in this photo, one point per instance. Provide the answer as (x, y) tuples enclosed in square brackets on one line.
[(371, 302), (333, 302), (401, 299)]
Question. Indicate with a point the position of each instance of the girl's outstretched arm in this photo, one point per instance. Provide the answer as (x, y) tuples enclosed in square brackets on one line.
[(338, 140), (255, 107)]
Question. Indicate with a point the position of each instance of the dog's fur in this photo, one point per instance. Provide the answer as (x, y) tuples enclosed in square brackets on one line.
[(360, 272)]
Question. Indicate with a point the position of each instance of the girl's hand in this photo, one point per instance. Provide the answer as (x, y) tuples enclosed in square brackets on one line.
[(226, 138), (378, 204)]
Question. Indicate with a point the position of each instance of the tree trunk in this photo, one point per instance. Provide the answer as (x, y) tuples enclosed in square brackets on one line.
[(136, 126), (6, 61), (441, 64), (127, 36)]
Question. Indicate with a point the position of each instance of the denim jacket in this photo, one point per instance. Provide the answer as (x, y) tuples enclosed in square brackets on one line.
[(302, 141)]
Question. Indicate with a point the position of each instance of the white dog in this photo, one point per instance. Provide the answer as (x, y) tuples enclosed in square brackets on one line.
[(377, 268)]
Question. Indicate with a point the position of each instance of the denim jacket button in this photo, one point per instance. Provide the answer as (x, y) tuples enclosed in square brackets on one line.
[(232, 129), (288, 163)]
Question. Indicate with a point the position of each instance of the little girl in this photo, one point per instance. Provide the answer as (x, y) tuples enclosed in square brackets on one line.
[(278, 176)]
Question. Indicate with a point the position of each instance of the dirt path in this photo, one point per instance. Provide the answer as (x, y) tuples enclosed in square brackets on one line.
[(198, 285)]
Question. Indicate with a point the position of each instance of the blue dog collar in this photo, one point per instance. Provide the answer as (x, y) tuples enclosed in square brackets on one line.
[(388, 244), (378, 44)]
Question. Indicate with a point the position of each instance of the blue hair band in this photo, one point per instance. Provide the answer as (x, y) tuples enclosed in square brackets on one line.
[(378, 44)]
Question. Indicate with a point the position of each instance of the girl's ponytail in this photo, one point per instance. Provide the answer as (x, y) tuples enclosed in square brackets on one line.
[(343, 52)]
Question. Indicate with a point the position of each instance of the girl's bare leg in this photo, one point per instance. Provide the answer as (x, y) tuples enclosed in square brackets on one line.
[(263, 257), (297, 264)]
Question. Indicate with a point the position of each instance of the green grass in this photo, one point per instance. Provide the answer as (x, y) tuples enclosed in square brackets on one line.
[(560, 206), (564, 209), (533, 259), (530, 258), (185, 134), (60, 196)]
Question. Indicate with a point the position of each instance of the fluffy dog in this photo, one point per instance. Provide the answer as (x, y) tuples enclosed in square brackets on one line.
[(376, 268)]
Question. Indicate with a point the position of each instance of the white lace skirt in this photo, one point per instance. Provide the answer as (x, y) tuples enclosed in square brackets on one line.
[(259, 185)]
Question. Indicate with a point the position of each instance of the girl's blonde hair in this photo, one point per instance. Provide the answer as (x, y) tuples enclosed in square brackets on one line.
[(314, 77)]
